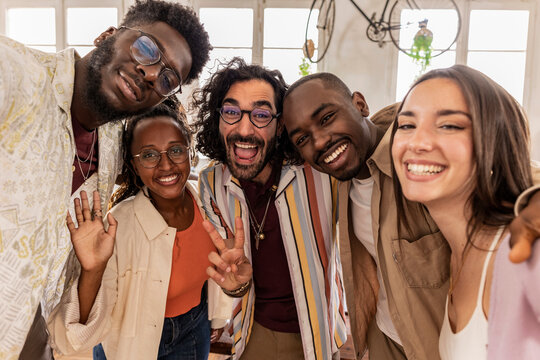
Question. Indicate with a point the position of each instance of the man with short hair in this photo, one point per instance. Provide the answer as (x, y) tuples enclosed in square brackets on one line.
[(329, 126), (294, 308), (60, 134)]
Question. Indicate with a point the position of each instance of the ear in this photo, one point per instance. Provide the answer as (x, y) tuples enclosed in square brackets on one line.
[(360, 103), (104, 35)]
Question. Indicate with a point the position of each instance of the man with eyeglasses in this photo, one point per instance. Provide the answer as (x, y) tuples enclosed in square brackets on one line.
[(51, 106), (294, 309)]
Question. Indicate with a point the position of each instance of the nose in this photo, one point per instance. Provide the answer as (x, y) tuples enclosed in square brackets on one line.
[(150, 73), (321, 139), (421, 140), (164, 162), (244, 126)]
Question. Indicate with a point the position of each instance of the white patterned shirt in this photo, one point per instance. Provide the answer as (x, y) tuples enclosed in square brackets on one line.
[(37, 150)]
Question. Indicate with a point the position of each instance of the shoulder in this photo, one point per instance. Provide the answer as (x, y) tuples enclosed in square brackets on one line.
[(125, 209)]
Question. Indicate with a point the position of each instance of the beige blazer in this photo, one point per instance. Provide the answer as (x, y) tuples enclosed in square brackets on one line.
[(128, 314)]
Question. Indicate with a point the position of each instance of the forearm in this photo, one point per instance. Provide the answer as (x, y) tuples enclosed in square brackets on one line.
[(88, 287)]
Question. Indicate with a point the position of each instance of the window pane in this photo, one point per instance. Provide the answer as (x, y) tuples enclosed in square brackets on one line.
[(286, 28), (228, 27), (498, 30), (507, 69), (408, 71), (442, 22), (32, 25), (286, 61), (47, 49), (85, 24), (222, 56)]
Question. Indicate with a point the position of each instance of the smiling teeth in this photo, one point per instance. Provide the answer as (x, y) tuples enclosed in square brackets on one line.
[(246, 146), (417, 169), (335, 154), (168, 178)]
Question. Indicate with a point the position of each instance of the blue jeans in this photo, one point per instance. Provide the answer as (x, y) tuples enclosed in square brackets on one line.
[(184, 337)]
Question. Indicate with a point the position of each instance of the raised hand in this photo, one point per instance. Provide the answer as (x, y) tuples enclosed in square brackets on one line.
[(232, 268), (92, 244)]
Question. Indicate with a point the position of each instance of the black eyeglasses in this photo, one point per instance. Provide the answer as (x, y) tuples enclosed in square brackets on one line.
[(232, 114), (150, 158), (145, 51)]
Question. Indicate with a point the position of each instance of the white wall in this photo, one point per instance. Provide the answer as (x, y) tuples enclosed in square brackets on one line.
[(372, 70)]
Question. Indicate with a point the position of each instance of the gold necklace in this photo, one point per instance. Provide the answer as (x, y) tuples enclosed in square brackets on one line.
[(259, 234)]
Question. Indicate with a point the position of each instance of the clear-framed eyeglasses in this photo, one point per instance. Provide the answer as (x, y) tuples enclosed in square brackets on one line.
[(259, 117), (145, 51), (150, 158)]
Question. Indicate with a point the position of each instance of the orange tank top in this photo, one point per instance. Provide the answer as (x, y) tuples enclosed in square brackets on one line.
[(189, 263)]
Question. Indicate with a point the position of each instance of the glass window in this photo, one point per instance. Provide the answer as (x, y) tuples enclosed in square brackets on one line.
[(229, 38), (85, 24), (498, 47), (284, 36), (42, 32)]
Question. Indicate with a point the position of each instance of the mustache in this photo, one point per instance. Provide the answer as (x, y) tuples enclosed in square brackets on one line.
[(245, 139)]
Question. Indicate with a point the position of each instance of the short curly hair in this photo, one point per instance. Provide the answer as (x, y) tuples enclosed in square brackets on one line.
[(208, 99), (181, 18)]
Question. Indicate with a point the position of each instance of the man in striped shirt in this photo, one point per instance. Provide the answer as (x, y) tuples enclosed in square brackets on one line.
[(295, 307)]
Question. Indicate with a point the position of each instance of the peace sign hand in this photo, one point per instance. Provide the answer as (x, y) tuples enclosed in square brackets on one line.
[(92, 244), (232, 268)]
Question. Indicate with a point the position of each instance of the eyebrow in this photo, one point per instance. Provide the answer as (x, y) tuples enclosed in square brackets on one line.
[(314, 114), (320, 108), (444, 112), (254, 104)]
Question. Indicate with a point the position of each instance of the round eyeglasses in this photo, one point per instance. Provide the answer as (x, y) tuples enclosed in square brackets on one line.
[(150, 158), (232, 114), (145, 51)]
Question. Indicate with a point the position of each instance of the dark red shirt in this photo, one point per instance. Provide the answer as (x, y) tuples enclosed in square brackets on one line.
[(275, 308), (83, 143)]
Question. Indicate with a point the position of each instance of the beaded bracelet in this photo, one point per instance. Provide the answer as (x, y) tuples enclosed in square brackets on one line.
[(241, 291)]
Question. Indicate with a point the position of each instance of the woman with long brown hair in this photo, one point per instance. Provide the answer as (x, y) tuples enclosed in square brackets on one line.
[(460, 147)]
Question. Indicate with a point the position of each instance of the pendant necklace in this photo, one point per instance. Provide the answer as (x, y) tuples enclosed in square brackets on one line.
[(258, 228), (88, 158)]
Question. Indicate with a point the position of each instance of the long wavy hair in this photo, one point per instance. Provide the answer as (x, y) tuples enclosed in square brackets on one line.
[(131, 183), (500, 149), (208, 99)]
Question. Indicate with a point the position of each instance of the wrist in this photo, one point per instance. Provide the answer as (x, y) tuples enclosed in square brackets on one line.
[(240, 292)]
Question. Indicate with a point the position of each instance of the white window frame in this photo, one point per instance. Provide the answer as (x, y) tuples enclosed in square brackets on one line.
[(258, 7), (462, 43), (60, 7)]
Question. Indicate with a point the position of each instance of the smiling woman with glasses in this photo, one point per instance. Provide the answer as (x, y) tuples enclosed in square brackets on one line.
[(157, 274)]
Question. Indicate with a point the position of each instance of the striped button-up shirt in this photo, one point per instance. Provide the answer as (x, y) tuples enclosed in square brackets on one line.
[(306, 202)]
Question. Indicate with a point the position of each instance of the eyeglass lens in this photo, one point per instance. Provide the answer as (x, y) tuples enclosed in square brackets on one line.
[(146, 52), (232, 114), (150, 158)]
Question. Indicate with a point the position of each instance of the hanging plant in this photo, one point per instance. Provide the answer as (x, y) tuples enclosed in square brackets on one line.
[(421, 49), (304, 67)]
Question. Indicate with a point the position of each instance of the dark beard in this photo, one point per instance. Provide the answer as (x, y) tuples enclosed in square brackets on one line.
[(248, 172), (93, 97)]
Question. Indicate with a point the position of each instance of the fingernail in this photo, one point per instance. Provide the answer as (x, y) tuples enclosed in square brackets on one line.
[(228, 269)]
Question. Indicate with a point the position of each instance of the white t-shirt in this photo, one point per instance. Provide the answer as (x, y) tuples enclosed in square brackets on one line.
[(360, 196)]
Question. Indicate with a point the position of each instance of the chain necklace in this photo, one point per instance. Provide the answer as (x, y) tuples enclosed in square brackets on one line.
[(258, 228), (88, 158)]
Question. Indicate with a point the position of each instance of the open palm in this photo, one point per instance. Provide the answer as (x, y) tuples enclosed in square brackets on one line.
[(93, 244)]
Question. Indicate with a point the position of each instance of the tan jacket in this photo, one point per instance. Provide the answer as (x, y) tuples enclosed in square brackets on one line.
[(128, 314), (415, 269)]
